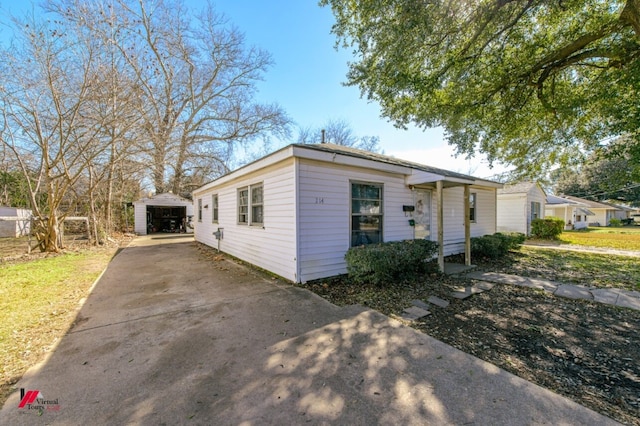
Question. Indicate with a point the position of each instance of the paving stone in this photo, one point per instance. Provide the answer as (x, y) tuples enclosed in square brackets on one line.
[(438, 302), (484, 285), (605, 295), (414, 313), (420, 304), (573, 292), (628, 301), (463, 293)]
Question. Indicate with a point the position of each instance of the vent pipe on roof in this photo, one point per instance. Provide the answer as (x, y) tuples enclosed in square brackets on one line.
[(322, 141)]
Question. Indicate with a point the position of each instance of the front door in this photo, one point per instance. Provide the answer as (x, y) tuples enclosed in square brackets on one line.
[(422, 215)]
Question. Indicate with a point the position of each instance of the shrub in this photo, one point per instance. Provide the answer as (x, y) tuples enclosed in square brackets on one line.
[(615, 222), (496, 245), (385, 262), (548, 228)]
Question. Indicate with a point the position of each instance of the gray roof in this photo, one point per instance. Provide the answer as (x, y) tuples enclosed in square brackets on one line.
[(367, 155), (590, 204)]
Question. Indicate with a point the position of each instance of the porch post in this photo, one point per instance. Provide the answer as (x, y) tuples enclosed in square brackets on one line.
[(467, 227), (440, 225)]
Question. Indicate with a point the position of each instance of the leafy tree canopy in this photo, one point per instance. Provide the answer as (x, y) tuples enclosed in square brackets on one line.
[(609, 174), (528, 82)]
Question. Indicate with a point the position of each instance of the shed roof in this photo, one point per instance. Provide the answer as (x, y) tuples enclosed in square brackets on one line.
[(520, 188)]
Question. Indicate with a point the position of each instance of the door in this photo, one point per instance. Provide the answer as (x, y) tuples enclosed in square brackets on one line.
[(422, 215)]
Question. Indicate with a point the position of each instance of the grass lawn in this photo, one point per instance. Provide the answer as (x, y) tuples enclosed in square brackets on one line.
[(624, 238), (589, 269), (38, 303)]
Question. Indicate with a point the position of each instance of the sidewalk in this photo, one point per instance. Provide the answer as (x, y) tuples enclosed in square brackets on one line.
[(609, 296)]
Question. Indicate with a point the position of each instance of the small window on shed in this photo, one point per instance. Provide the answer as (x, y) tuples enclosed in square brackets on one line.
[(243, 206), (199, 209)]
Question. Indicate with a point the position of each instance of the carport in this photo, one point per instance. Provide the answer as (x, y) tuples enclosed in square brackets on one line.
[(163, 213)]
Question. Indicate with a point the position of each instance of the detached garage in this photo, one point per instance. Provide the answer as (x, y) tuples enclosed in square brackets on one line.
[(163, 213)]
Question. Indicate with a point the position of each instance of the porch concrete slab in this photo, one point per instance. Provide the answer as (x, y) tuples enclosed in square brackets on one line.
[(605, 295), (438, 302), (629, 300), (414, 313), (573, 292), (457, 268)]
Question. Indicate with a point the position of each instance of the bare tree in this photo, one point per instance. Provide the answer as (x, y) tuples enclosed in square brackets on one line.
[(46, 84), (338, 132)]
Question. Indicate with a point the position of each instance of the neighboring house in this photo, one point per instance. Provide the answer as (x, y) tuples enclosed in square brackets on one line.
[(518, 205), (162, 213), (602, 212), (14, 222), (575, 214), (297, 211)]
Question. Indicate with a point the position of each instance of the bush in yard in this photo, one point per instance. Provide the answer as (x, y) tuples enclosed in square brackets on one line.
[(548, 228), (496, 245), (386, 262), (615, 222)]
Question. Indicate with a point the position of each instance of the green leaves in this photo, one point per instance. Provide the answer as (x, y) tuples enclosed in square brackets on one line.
[(528, 83)]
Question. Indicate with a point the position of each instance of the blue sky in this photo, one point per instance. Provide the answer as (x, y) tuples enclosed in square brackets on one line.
[(306, 79)]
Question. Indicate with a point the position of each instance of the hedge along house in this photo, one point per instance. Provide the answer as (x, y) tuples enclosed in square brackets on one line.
[(162, 213), (518, 205), (297, 211)]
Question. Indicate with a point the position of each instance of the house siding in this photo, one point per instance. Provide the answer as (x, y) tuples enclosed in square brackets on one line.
[(513, 210), (324, 221), (271, 246)]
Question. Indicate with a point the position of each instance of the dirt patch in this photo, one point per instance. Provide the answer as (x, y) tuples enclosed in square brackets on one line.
[(583, 350)]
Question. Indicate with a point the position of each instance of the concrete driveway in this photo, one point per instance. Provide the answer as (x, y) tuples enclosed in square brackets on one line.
[(170, 335)]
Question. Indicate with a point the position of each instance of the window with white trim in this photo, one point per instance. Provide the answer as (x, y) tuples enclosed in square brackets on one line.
[(214, 208), (535, 210), (199, 209), (366, 213), (251, 205), (473, 197)]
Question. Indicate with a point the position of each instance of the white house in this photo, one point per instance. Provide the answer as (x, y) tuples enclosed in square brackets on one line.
[(14, 222), (518, 205), (297, 211), (162, 213), (585, 212), (575, 214)]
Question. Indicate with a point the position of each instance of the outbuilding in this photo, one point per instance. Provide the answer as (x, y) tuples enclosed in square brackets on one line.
[(163, 213), (14, 222), (518, 205), (297, 211)]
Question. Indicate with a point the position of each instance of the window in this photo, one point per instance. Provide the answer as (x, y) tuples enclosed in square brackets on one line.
[(366, 214), (472, 206), (251, 205), (256, 205), (199, 209), (535, 210), (243, 206), (214, 208)]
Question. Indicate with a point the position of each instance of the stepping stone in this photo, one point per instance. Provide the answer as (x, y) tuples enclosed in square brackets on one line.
[(605, 295), (573, 292), (414, 313), (420, 304), (438, 302), (484, 285), (629, 300), (462, 293)]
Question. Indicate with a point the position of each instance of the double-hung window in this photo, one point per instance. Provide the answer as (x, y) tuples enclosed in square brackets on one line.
[(214, 208), (535, 210), (473, 197), (251, 205), (199, 209), (366, 213)]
